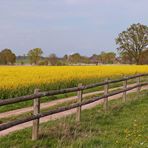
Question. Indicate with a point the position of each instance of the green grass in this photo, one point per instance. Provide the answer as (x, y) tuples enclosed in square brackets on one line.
[(125, 125)]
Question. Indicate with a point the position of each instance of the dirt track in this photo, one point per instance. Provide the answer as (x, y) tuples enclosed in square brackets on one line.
[(55, 116), (48, 104)]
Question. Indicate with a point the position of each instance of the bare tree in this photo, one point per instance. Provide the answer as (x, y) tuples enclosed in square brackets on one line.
[(53, 59)]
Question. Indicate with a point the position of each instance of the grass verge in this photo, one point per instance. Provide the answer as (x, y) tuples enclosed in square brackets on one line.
[(125, 125)]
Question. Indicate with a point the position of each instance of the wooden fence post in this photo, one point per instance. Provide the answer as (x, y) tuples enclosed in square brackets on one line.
[(79, 94), (124, 87), (36, 110), (138, 88), (106, 88)]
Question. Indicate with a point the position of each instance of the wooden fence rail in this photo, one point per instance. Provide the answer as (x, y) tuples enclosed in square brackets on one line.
[(62, 91), (37, 95)]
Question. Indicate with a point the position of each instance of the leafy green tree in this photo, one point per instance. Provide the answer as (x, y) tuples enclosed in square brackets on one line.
[(126, 58), (111, 56), (75, 58), (7, 57), (35, 55), (133, 41), (107, 57)]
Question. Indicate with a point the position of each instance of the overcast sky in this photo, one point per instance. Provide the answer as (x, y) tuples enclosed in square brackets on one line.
[(67, 26)]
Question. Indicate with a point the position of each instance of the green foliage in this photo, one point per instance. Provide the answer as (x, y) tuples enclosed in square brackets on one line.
[(125, 125), (75, 58), (44, 62), (104, 58), (7, 57), (22, 63), (133, 41), (107, 57), (35, 55)]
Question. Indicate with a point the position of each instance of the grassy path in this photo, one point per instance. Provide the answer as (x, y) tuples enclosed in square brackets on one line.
[(60, 115), (125, 125), (49, 104)]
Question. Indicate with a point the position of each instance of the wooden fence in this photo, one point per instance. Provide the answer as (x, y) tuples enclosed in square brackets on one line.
[(38, 95)]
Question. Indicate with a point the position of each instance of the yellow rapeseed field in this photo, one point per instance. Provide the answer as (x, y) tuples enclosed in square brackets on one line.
[(12, 77)]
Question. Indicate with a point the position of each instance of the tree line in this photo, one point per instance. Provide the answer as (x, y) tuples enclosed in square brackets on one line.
[(132, 49), (35, 57)]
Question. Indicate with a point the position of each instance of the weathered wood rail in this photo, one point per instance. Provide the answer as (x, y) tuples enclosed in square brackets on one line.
[(38, 95)]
